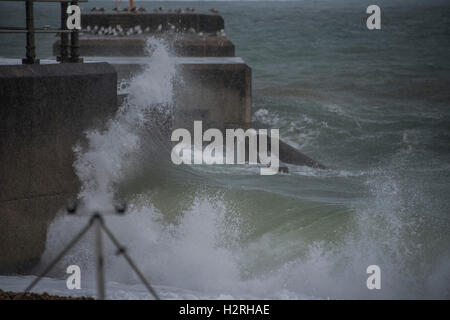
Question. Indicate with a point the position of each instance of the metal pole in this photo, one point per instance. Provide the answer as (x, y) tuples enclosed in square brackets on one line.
[(31, 49), (60, 255), (100, 270), (64, 45), (122, 250), (75, 43)]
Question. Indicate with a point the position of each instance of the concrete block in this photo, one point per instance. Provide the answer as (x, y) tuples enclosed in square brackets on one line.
[(216, 91), (182, 45), (44, 110), (217, 94)]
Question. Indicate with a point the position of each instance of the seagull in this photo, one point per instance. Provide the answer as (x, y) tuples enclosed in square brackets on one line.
[(137, 29), (171, 26), (214, 10)]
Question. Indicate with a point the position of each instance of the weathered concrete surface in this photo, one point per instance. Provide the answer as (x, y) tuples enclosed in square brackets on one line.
[(201, 22), (220, 95), (43, 111), (214, 90), (182, 45)]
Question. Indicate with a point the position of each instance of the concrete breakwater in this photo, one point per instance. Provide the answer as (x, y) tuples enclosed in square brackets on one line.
[(215, 89), (190, 45), (124, 34), (44, 109), (216, 86)]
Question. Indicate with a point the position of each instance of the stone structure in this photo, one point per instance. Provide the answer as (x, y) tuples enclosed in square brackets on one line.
[(215, 89), (44, 110), (189, 45)]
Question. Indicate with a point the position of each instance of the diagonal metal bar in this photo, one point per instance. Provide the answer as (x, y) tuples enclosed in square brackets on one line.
[(130, 262), (61, 254)]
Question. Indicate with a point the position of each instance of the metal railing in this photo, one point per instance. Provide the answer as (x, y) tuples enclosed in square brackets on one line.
[(69, 53), (96, 220)]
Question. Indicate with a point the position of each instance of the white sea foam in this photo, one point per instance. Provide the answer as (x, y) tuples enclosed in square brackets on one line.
[(102, 162)]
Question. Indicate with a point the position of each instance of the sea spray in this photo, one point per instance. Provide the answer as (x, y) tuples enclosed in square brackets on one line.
[(102, 163), (187, 253)]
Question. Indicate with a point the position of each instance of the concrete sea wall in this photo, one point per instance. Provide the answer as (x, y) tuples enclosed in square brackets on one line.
[(44, 110), (220, 95), (188, 45), (214, 90), (216, 85)]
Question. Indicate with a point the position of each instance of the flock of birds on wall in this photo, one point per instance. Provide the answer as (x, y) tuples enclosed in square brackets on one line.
[(157, 10), (136, 30), (119, 31)]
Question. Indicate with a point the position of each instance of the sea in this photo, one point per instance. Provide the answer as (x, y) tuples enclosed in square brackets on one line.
[(372, 105)]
